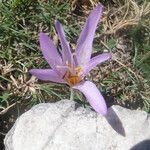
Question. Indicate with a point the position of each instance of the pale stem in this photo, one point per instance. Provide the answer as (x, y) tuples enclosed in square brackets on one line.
[(71, 94)]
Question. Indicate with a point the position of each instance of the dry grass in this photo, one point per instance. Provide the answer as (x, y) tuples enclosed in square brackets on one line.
[(124, 16)]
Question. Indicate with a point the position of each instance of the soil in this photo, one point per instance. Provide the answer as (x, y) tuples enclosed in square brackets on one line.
[(8, 119)]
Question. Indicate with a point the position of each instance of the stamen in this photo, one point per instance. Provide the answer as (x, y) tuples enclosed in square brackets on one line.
[(73, 74)]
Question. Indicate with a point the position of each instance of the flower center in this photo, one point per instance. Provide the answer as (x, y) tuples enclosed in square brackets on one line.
[(73, 75)]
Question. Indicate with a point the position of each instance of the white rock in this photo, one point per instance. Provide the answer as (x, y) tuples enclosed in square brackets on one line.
[(67, 126)]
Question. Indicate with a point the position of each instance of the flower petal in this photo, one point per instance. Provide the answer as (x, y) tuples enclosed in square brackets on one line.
[(47, 75), (66, 52), (49, 51), (93, 95), (96, 60), (85, 41)]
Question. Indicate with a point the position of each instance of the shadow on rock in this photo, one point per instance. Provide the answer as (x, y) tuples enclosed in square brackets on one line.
[(143, 145), (114, 121)]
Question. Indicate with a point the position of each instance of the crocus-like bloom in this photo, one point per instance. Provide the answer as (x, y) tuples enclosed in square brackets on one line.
[(71, 68)]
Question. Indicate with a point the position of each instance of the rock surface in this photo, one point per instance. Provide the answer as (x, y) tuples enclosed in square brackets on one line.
[(66, 125)]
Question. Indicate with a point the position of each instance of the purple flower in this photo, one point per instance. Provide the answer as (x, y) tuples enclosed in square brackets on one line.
[(71, 68)]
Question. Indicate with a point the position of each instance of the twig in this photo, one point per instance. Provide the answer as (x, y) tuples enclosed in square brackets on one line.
[(129, 69), (104, 45), (2, 133), (6, 109)]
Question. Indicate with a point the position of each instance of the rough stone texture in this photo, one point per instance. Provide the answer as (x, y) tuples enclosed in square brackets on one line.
[(66, 125)]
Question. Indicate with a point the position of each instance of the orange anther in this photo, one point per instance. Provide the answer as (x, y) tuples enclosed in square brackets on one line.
[(72, 75)]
